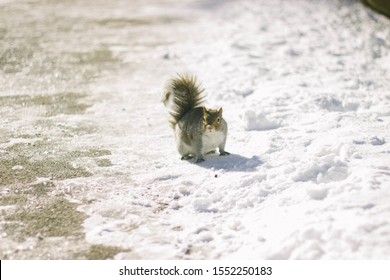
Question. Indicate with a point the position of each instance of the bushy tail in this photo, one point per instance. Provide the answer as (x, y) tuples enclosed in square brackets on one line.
[(181, 95)]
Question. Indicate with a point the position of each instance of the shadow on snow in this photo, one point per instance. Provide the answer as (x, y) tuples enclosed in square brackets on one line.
[(232, 162)]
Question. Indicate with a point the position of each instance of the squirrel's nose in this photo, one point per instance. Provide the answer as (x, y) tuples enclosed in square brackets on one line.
[(209, 127)]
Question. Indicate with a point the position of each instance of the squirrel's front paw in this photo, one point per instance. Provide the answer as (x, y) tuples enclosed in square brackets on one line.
[(186, 157), (199, 160), (224, 153)]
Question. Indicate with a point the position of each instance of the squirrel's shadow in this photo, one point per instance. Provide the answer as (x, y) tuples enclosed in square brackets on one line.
[(232, 162)]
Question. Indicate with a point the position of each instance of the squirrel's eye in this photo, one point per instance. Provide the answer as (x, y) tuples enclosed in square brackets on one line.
[(218, 120)]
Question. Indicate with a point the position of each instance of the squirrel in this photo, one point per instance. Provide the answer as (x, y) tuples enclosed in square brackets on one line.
[(198, 130)]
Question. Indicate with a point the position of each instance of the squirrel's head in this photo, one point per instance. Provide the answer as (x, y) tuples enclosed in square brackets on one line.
[(212, 119)]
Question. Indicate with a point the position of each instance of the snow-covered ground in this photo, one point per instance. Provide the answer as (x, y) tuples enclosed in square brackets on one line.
[(305, 88)]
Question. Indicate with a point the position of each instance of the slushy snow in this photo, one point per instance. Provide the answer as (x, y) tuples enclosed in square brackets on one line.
[(304, 87)]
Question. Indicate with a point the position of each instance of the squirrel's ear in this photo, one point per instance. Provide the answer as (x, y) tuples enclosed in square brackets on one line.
[(220, 110), (205, 111)]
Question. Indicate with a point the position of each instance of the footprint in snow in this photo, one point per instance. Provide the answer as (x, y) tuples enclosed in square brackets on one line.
[(377, 141)]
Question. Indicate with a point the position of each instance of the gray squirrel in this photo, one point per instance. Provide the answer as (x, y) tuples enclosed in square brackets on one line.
[(198, 130)]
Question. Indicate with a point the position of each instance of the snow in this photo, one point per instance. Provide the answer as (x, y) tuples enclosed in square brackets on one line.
[(304, 88), (258, 121)]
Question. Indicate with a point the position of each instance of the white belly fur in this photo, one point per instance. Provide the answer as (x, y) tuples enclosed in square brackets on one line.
[(212, 140)]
